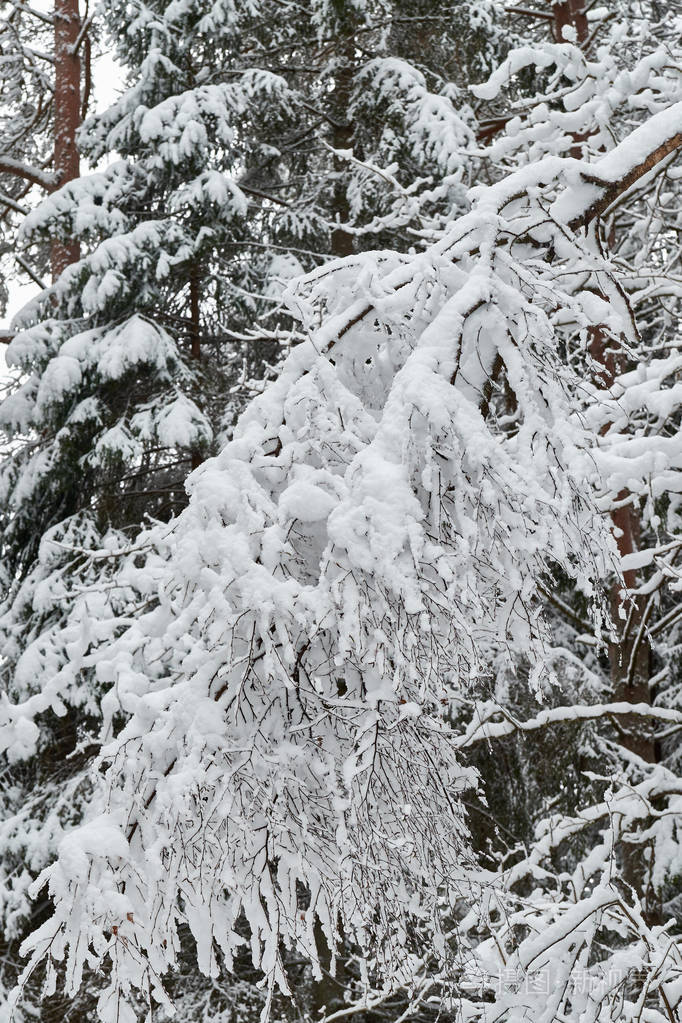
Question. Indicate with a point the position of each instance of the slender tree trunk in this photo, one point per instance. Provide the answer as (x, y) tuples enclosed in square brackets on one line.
[(342, 138), (195, 333), (195, 329), (630, 655), (630, 651), (67, 111), (328, 993), (630, 663), (571, 14)]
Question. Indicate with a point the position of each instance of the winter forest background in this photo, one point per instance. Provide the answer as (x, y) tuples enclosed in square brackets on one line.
[(341, 511)]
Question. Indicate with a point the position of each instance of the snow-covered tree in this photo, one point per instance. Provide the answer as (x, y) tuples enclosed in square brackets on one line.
[(289, 700), (363, 552), (225, 190), (223, 187), (42, 100), (584, 923)]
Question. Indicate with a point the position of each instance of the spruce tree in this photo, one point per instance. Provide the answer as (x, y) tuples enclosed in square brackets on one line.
[(227, 188)]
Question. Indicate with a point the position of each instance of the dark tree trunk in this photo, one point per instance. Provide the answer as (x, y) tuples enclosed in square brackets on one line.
[(570, 14), (195, 333), (342, 138)]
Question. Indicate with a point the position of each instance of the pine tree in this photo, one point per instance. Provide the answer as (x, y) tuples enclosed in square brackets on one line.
[(42, 102)]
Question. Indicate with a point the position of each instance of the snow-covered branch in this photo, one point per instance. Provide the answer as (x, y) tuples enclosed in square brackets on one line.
[(35, 175), (484, 726)]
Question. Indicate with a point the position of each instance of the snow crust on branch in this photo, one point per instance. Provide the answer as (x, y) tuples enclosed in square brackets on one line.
[(365, 547), (275, 669)]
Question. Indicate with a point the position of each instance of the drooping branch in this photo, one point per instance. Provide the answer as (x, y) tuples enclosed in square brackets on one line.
[(486, 728), (12, 204), (613, 190), (590, 208), (82, 36), (526, 12), (27, 269), (565, 610), (43, 16), (35, 175)]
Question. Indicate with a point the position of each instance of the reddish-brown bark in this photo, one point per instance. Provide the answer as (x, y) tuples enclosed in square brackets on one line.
[(570, 14), (630, 653), (630, 650), (67, 111)]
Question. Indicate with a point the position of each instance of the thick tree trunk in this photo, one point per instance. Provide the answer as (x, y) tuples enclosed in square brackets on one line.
[(67, 110), (570, 14)]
